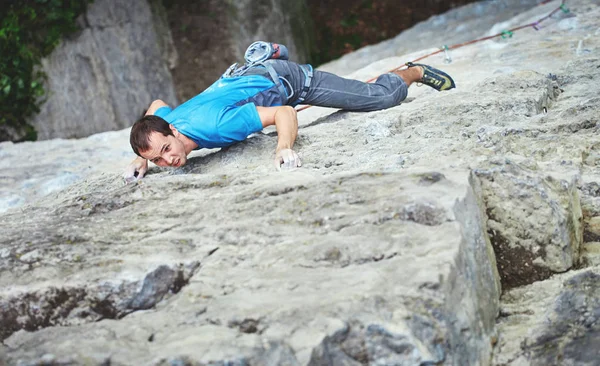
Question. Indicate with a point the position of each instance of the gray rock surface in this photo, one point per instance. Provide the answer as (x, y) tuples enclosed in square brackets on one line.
[(104, 77), (211, 35), (375, 251), (465, 23), (71, 305), (548, 236), (32, 170), (554, 322), (271, 20), (283, 252)]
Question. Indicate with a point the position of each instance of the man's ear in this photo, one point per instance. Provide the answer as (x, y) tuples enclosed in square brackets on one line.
[(174, 130)]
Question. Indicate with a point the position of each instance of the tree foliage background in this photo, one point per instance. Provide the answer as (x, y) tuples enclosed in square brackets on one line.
[(342, 26), (29, 30)]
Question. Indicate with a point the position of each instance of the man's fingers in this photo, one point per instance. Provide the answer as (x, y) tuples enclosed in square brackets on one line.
[(298, 160), (142, 170), (136, 170), (278, 164), (129, 176), (287, 159), (129, 172)]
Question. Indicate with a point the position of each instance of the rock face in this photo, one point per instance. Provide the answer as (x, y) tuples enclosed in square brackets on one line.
[(211, 35), (380, 250), (79, 304), (105, 77), (547, 237), (370, 253), (469, 20), (555, 322)]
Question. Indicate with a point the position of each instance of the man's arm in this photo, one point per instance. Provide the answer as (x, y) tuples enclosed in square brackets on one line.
[(154, 106), (285, 119)]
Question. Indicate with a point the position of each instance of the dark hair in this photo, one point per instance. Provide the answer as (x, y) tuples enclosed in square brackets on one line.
[(139, 138)]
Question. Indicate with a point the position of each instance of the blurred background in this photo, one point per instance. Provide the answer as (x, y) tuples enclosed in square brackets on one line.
[(72, 68)]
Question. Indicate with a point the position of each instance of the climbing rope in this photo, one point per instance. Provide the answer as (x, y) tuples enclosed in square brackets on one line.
[(504, 34)]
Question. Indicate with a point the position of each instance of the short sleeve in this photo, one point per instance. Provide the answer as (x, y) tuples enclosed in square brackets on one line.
[(163, 111), (239, 122)]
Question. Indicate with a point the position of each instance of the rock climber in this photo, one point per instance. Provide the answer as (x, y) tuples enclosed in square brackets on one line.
[(262, 93)]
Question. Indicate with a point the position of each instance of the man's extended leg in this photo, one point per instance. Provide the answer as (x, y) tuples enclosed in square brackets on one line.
[(389, 90), (329, 90)]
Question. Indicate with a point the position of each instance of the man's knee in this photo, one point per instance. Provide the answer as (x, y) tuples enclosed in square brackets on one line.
[(390, 100)]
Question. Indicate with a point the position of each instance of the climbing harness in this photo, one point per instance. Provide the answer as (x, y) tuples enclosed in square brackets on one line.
[(308, 75), (256, 56)]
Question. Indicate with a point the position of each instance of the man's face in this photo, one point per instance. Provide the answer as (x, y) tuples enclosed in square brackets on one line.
[(165, 150)]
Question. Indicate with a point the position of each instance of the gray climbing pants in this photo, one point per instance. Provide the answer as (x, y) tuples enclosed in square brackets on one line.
[(329, 90)]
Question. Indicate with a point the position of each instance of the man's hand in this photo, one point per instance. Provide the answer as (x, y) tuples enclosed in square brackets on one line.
[(285, 119), (139, 166), (287, 159)]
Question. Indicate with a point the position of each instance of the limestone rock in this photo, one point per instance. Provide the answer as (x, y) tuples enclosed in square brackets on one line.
[(104, 77), (40, 173), (552, 322), (70, 305), (210, 35), (534, 222), (375, 249), (389, 268), (455, 26)]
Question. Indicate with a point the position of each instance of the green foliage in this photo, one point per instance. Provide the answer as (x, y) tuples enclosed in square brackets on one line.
[(29, 30)]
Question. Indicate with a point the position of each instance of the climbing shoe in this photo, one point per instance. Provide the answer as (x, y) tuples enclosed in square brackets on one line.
[(434, 78)]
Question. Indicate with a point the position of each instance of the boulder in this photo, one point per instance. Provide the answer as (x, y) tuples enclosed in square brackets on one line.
[(211, 35), (369, 267), (534, 221), (457, 25), (552, 322), (377, 249), (104, 77)]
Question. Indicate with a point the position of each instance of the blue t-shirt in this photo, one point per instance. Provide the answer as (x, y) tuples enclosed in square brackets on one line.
[(225, 112)]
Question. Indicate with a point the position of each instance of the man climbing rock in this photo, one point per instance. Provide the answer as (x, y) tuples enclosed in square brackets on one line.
[(262, 93)]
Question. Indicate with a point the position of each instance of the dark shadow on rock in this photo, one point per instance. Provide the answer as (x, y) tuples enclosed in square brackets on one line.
[(572, 333), (62, 306), (330, 118), (515, 264), (157, 284), (356, 345), (427, 179)]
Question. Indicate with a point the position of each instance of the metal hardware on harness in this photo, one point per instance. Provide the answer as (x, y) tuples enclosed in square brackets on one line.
[(275, 79), (230, 71), (289, 97), (257, 54)]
